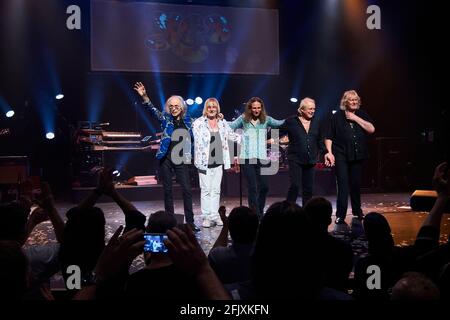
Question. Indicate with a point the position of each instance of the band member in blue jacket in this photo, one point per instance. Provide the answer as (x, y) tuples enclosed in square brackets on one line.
[(175, 151)]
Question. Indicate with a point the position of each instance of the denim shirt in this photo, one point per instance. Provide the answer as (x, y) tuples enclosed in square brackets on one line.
[(167, 126), (254, 137)]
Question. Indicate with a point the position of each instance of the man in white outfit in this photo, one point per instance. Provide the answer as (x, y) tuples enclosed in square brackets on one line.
[(211, 156)]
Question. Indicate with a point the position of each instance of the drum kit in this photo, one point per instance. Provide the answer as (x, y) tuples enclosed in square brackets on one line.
[(4, 132)]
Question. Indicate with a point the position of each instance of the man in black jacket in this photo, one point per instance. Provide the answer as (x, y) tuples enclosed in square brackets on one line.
[(305, 144)]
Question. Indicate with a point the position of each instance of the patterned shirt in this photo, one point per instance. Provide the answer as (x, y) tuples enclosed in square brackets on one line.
[(202, 142), (168, 127)]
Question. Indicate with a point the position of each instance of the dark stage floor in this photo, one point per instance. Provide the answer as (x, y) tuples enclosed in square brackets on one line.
[(395, 206)]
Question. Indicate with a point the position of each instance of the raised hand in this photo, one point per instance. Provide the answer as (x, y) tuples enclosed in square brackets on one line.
[(46, 201), (38, 215), (119, 253), (188, 256), (223, 216), (441, 178), (140, 89), (105, 181), (185, 251)]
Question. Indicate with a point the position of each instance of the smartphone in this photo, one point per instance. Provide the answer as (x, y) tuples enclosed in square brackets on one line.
[(154, 242)]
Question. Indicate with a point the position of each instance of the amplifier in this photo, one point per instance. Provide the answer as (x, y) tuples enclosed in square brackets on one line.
[(13, 169)]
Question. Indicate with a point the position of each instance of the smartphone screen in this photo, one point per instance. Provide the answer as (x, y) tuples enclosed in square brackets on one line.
[(154, 242)]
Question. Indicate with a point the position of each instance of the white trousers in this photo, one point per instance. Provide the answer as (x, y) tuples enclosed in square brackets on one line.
[(210, 192)]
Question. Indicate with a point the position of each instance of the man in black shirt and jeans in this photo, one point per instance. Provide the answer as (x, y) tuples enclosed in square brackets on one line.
[(305, 143), (346, 147)]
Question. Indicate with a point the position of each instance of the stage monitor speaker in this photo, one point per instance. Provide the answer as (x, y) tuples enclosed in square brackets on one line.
[(423, 200)]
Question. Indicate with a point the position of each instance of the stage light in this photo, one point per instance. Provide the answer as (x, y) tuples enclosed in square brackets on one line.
[(189, 102), (333, 112), (10, 114), (198, 100), (294, 100), (59, 96), (50, 135), (116, 173)]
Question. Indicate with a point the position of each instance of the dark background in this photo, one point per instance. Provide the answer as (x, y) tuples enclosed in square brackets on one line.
[(325, 49)]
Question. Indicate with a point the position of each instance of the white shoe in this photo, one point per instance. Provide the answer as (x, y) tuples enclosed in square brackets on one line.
[(206, 223), (218, 222)]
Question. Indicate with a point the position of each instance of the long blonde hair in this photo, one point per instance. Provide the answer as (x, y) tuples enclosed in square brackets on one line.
[(206, 106), (346, 96)]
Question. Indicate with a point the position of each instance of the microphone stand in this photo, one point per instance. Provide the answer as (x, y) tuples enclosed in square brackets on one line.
[(237, 114), (240, 187)]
